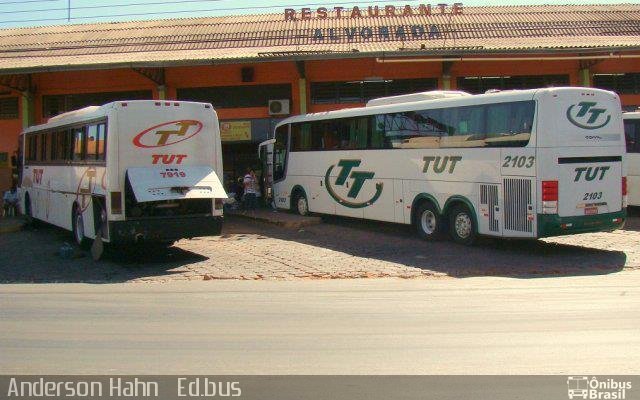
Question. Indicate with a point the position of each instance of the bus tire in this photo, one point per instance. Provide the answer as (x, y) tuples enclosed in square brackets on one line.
[(77, 224), (300, 203), (28, 212), (428, 221), (462, 227)]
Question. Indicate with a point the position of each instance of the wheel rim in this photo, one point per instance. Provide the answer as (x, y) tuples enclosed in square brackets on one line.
[(463, 225), (302, 206), (428, 222), (79, 228)]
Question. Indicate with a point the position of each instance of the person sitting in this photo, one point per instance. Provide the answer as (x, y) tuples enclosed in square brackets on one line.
[(10, 201)]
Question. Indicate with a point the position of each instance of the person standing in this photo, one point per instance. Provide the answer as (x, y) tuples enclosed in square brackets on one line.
[(250, 184), (10, 200)]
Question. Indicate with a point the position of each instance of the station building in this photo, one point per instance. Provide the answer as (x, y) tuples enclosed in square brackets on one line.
[(258, 69)]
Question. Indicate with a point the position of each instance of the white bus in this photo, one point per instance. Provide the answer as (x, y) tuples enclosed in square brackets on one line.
[(632, 132), (518, 164), (128, 171)]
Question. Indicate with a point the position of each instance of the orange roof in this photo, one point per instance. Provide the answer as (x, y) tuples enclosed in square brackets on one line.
[(506, 29)]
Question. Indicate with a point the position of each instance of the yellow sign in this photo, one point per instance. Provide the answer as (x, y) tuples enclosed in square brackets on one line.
[(235, 131)]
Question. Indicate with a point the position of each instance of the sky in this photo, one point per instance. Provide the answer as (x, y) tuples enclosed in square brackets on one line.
[(20, 13)]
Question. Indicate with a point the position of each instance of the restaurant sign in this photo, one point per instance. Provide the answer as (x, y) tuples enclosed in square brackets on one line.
[(291, 14)]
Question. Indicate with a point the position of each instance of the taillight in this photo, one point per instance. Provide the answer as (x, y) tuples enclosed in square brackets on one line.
[(116, 202), (549, 197), (624, 191)]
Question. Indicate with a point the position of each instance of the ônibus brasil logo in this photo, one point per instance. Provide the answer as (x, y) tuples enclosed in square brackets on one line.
[(162, 135), (359, 178), (587, 115)]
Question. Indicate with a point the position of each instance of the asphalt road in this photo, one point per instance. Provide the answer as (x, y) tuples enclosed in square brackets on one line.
[(487, 325)]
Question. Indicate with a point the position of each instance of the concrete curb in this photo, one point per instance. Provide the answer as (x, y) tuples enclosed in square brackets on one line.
[(279, 218)]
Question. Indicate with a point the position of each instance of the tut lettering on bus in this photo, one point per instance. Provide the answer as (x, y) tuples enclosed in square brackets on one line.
[(440, 163), (590, 173), (37, 175), (158, 137), (359, 179), (168, 158)]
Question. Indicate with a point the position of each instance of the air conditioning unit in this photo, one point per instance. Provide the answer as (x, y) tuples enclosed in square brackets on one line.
[(279, 107)]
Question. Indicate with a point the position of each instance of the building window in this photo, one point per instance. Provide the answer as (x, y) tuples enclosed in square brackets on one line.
[(58, 104), (480, 84), (365, 90), (236, 96), (619, 83), (9, 108)]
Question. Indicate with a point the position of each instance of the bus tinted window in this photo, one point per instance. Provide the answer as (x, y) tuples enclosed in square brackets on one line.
[(92, 142), (632, 134), (491, 125), (78, 144), (101, 142), (280, 152), (338, 134)]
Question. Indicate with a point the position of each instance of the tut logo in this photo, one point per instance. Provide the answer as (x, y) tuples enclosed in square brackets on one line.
[(587, 115), (359, 178), (178, 131), (590, 173)]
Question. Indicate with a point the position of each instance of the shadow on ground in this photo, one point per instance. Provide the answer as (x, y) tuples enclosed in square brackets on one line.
[(31, 256)]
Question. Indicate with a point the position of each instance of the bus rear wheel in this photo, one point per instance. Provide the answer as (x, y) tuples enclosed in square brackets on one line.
[(428, 222), (462, 227), (77, 224), (28, 212)]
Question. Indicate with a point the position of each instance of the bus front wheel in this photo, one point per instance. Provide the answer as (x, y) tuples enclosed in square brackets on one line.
[(78, 229), (462, 227), (301, 204), (428, 221)]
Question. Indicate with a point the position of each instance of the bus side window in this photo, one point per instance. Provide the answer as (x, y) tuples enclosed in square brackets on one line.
[(377, 133), (632, 134), (101, 144), (78, 144), (92, 143)]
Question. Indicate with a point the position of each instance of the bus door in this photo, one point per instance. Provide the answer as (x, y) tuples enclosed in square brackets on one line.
[(265, 154)]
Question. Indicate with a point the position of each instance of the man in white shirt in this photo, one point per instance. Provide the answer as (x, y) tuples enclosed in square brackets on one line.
[(250, 193)]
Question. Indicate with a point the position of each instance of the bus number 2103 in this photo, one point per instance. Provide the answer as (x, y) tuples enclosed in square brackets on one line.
[(518, 162)]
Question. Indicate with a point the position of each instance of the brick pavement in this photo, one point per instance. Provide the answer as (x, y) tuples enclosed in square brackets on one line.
[(339, 248)]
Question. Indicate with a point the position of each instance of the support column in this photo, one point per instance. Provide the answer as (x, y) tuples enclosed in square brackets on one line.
[(446, 75), (162, 92), (27, 108), (302, 92), (302, 86), (585, 77)]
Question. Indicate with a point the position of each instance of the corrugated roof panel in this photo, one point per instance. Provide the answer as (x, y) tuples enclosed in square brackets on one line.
[(491, 28)]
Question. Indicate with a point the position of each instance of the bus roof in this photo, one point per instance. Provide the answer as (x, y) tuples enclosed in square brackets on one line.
[(494, 97), (91, 113), (631, 115)]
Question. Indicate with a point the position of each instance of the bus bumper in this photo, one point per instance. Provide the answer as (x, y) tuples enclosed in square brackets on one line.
[(554, 225), (163, 230)]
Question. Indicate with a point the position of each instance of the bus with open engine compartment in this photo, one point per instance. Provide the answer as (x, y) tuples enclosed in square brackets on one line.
[(127, 171)]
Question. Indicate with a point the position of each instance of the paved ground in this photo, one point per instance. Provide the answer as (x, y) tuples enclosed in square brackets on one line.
[(338, 248), (571, 325)]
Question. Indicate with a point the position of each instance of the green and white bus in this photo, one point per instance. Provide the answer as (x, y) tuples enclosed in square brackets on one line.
[(516, 164), (632, 132)]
